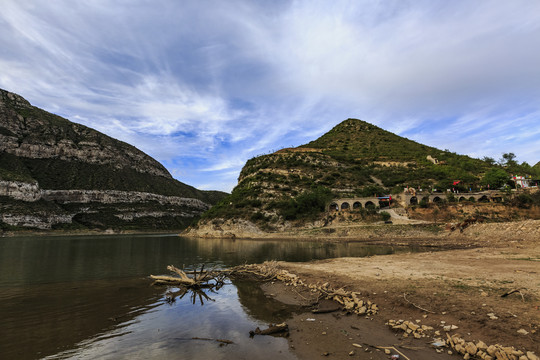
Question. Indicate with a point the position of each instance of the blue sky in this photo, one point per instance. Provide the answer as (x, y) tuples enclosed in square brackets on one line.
[(202, 86)]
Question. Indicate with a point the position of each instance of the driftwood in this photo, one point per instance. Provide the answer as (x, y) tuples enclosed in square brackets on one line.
[(272, 329), (514, 291), (199, 279)]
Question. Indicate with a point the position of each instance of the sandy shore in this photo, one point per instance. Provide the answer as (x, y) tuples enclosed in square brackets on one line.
[(461, 287)]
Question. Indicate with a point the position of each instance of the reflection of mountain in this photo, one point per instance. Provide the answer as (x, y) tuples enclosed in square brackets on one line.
[(43, 320)]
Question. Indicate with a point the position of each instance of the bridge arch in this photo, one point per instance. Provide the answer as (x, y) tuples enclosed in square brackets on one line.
[(357, 205), (413, 200), (462, 198), (472, 199), (369, 205), (436, 199), (484, 198), (345, 206), (334, 207)]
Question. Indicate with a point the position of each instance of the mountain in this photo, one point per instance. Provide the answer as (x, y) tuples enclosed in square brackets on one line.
[(56, 173), (354, 159)]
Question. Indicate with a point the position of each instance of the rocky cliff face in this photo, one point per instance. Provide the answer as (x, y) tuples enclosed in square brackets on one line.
[(20, 190), (27, 131), (59, 174)]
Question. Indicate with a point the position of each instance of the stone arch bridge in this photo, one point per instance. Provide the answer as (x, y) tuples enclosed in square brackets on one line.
[(357, 203), (405, 200)]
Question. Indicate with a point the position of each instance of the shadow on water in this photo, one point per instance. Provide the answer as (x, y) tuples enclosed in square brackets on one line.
[(88, 297)]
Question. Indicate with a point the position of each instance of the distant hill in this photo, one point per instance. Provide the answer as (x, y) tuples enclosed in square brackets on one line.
[(50, 165), (354, 159)]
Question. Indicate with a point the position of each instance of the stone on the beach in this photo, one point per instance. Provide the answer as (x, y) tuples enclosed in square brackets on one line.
[(532, 356), (491, 350), (481, 345), (471, 348), (523, 332), (362, 310)]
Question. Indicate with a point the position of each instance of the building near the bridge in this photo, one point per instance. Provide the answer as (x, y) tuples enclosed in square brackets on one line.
[(523, 181)]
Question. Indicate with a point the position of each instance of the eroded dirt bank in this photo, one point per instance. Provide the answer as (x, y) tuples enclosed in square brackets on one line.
[(436, 233), (454, 292)]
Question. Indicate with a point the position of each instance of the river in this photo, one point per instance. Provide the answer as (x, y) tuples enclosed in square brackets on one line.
[(89, 297)]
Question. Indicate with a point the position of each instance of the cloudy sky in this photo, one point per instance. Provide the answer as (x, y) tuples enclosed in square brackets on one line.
[(202, 86)]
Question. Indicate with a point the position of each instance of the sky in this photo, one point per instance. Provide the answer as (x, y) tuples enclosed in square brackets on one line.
[(203, 86)]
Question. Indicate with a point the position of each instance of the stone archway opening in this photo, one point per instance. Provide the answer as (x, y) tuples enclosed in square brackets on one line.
[(334, 207), (436, 199), (345, 206), (413, 200), (462, 199), (369, 205), (357, 205), (484, 198), (472, 199)]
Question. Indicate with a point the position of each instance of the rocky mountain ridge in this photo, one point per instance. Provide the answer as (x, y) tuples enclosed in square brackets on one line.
[(38, 134), (58, 174)]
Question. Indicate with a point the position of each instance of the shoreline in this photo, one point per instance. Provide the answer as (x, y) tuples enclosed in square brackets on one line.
[(437, 235), (461, 288), (23, 233)]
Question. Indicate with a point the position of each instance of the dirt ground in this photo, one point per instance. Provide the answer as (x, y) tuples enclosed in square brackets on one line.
[(460, 287)]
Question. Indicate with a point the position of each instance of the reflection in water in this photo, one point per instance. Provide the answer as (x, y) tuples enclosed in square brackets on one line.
[(195, 294), (88, 297), (176, 330)]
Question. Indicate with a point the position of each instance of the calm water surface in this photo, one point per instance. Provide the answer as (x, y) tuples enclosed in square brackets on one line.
[(88, 297)]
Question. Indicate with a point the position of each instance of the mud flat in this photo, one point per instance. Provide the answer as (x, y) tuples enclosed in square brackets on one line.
[(486, 295)]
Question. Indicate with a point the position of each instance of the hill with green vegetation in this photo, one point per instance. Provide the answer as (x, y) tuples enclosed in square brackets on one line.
[(70, 171), (354, 159)]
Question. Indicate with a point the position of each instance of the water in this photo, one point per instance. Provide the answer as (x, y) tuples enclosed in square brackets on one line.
[(88, 297)]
